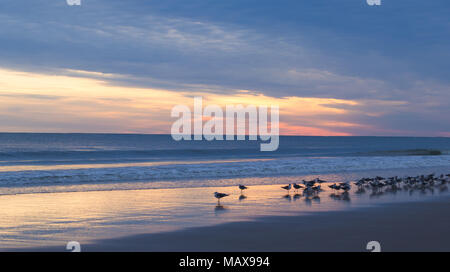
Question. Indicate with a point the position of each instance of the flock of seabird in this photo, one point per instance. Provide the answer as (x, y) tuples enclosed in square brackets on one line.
[(418, 182), (313, 187)]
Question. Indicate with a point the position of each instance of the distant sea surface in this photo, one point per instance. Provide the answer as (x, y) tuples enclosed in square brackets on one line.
[(31, 162)]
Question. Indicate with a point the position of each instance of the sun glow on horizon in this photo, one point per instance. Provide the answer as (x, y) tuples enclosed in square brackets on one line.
[(84, 101)]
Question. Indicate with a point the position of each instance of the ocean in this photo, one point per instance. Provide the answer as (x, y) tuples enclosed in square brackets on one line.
[(31, 162), (56, 188)]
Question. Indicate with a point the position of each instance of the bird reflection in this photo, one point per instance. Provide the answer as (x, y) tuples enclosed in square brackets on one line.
[(376, 193), (308, 201), (316, 199), (288, 197), (373, 187), (220, 209), (344, 196), (392, 190), (334, 196), (242, 197)]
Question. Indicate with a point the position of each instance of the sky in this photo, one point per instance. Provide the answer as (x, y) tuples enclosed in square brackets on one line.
[(335, 67)]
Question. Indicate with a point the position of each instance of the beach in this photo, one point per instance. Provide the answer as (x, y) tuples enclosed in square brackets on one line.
[(264, 219), (397, 227), (415, 226), (224, 126), (148, 193)]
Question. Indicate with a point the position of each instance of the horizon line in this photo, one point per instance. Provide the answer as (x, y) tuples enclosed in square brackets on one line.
[(168, 134)]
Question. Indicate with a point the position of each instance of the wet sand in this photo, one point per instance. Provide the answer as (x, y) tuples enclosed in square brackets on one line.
[(413, 226)]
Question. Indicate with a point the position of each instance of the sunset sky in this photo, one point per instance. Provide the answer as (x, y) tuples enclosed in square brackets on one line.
[(335, 67)]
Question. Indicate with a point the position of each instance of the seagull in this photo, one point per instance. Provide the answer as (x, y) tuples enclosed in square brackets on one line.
[(309, 183), (320, 181), (308, 191), (335, 186), (317, 188), (242, 187), (345, 186), (288, 188), (296, 186), (219, 196)]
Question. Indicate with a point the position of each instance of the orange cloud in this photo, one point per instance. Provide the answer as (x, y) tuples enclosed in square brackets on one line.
[(83, 101)]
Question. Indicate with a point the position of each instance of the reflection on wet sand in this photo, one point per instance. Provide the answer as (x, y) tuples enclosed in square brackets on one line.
[(242, 197), (316, 199), (30, 220), (308, 201), (220, 209), (288, 197), (376, 187), (344, 196)]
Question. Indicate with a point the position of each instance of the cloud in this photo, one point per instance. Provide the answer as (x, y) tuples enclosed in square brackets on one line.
[(31, 96), (324, 49)]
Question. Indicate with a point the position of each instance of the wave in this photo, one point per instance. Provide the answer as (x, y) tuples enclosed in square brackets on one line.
[(123, 156), (408, 152), (214, 170)]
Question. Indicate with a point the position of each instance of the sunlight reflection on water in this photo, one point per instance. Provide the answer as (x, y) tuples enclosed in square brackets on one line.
[(33, 220)]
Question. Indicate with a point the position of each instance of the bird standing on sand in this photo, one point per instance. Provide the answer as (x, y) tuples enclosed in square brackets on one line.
[(317, 188), (320, 181), (242, 188), (310, 183), (335, 187), (288, 188), (219, 196), (296, 186), (360, 182), (345, 186)]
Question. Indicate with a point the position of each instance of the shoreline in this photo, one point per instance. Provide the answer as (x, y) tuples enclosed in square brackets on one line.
[(135, 220), (413, 226), (190, 183)]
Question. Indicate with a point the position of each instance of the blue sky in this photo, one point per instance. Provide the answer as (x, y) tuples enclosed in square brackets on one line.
[(393, 59)]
